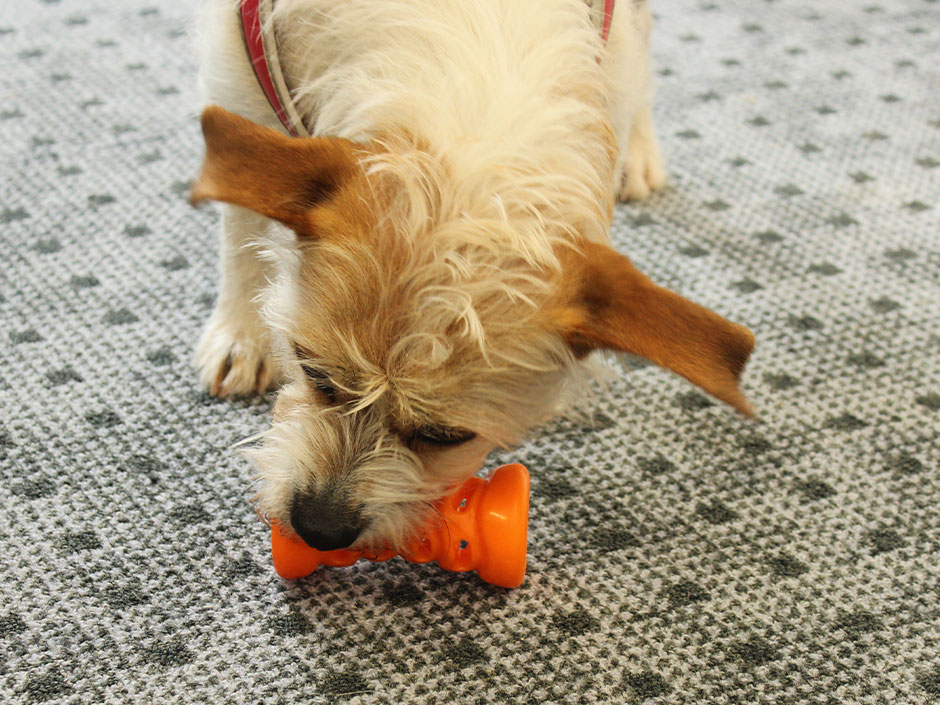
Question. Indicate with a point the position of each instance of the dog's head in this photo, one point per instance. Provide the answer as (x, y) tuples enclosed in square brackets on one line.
[(413, 343)]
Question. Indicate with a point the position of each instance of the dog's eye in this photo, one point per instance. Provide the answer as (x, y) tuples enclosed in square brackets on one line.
[(436, 436), (321, 381)]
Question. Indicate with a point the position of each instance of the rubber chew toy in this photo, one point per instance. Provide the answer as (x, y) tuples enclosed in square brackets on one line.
[(483, 526)]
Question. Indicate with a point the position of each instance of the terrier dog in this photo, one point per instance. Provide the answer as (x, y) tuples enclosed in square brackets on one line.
[(445, 271)]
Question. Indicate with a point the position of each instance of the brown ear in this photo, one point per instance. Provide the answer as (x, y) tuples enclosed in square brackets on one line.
[(259, 168), (608, 303)]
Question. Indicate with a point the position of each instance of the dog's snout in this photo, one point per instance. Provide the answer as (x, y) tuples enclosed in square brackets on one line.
[(323, 523)]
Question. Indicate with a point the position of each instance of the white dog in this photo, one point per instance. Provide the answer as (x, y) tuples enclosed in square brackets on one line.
[(445, 271)]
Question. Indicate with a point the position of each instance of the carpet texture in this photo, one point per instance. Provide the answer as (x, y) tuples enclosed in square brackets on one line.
[(678, 553)]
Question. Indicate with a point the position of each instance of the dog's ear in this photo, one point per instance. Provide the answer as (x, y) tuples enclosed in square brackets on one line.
[(259, 168), (608, 303)]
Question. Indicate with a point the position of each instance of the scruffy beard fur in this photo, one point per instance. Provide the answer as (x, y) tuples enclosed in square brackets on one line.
[(443, 274)]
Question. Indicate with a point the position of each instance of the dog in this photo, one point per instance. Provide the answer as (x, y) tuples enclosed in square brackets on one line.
[(426, 275)]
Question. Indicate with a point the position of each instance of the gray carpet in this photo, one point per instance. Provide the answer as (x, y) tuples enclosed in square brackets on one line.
[(679, 554)]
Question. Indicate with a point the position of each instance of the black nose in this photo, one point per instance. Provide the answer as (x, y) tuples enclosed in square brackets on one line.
[(323, 523)]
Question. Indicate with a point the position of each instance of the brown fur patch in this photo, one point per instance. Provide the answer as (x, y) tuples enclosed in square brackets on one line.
[(606, 302), (278, 176)]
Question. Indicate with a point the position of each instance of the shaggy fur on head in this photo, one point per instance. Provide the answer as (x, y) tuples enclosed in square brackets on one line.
[(444, 272)]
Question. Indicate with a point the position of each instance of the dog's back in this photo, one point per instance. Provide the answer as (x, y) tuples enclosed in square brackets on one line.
[(504, 93)]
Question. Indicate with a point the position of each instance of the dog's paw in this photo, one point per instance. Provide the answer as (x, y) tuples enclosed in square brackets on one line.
[(642, 171), (234, 360)]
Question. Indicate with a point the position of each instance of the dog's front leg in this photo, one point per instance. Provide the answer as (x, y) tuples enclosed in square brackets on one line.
[(234, 356)]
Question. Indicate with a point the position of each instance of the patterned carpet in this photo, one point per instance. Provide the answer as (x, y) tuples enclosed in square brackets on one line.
[(678, 554)]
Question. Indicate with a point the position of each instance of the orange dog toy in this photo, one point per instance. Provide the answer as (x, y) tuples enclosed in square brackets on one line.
[(483, 526)]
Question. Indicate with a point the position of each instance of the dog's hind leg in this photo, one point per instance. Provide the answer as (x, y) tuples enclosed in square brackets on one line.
[(234, 356), (640, 167)]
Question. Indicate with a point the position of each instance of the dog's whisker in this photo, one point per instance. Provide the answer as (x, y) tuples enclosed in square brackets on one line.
[(250, 440)]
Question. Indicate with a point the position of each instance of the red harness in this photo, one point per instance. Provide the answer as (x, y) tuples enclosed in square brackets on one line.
[(268, 70)]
